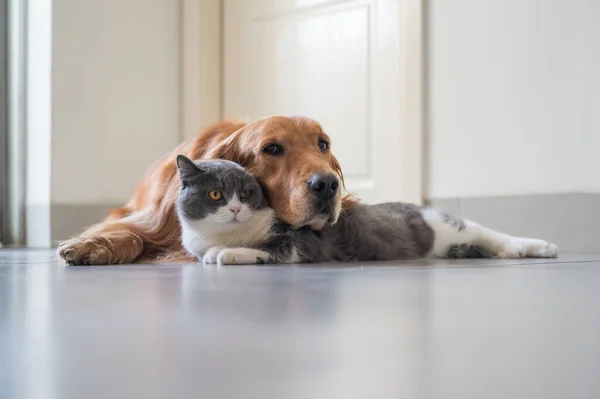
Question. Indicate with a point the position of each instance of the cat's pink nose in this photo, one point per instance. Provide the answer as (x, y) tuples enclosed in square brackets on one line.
[(234, 209)]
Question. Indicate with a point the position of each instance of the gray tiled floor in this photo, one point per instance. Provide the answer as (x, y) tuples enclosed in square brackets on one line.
[(422, 329)]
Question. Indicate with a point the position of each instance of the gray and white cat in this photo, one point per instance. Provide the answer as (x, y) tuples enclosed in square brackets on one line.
[(226, 219)]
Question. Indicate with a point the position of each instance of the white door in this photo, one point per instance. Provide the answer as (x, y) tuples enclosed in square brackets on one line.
[(346, 64)]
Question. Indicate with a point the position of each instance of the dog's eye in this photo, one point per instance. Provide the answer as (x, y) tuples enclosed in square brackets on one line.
[(273, 149), (323, 145)]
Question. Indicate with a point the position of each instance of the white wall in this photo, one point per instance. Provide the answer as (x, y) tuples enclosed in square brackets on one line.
[(590, 114), (115, 95), (514, 94)]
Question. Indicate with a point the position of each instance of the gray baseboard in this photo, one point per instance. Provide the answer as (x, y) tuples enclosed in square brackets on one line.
[(48, 225), (572, 221), (68, 220)]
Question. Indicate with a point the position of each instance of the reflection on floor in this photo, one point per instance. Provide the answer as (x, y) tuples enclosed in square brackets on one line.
[(420, 329)]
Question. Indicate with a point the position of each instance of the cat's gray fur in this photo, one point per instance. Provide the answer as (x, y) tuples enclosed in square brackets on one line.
[(365, 232), (388, 231)]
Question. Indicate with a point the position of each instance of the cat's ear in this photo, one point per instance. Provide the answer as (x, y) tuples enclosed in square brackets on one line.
[(187, 168)]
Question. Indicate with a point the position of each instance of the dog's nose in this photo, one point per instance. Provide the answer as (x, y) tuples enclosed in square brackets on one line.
[(323, 185)]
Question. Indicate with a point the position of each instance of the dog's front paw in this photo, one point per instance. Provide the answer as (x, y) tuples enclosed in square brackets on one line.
[(81, 251), (242, 256), (211, 256)]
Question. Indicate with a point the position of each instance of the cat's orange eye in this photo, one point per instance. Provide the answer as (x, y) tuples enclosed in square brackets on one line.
[(215, 195), (244, 194)]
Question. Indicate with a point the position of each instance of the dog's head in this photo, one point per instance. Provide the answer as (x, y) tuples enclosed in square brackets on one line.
[(291, 157)]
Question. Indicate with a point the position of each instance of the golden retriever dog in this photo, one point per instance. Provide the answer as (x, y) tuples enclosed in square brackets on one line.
[(290, 156)]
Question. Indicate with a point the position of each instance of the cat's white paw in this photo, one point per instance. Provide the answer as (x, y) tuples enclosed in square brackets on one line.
[(242, 256), (211, 256), (528, 248), (542, 249)]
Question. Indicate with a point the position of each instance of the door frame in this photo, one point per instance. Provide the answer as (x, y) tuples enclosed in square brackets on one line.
[(202, 81)]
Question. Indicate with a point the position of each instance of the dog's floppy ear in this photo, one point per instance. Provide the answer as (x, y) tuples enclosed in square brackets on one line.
[(335, 165), (348, 200), (234, 148)]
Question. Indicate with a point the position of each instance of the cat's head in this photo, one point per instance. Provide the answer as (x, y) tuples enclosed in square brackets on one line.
[(220, 192)]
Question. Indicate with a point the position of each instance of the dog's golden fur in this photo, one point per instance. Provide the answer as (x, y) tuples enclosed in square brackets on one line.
[(148, 228)]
